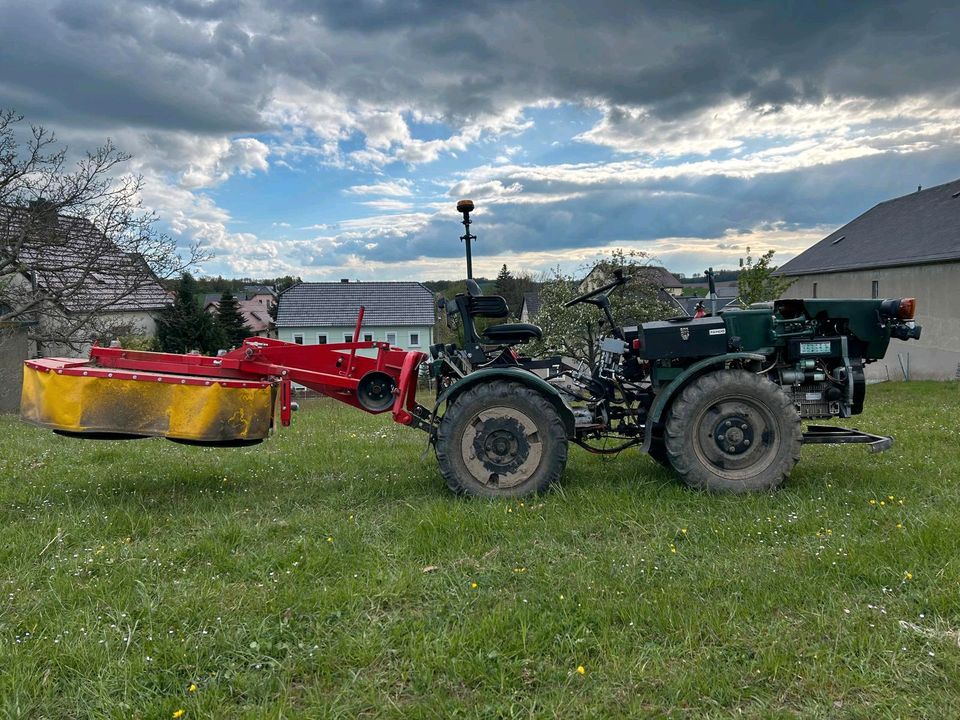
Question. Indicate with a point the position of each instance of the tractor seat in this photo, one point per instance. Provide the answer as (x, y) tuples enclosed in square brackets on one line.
[(512, 333)]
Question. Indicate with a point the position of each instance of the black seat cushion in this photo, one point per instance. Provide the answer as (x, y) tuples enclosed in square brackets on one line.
[(512, 333)]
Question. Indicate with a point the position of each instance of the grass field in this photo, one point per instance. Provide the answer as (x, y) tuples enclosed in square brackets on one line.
[(329, 573)]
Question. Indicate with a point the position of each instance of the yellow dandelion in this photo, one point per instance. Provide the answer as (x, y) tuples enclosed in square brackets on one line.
[(192, 688), (179, 713), (882, 502), (901, 502), (889, 497), (473, 586), (873, 502), (899, 526), (329, 539), (908, 575), (683, 530), (581, 670), (673, 549)]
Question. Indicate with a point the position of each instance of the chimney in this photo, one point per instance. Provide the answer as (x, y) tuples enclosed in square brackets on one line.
[(43, 216), (919, 188), (344, 280)]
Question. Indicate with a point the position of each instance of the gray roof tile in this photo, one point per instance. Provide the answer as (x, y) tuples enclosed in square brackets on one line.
[(921, 227), (79, 262), (326, 304)]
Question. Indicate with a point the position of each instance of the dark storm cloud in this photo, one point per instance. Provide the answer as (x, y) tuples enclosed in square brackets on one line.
[(707, 207), (212, 66)]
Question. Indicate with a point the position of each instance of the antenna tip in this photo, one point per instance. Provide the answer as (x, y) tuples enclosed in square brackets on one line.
[(464, 205)]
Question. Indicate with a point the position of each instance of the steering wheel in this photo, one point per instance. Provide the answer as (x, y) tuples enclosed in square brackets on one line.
[(587, 297)]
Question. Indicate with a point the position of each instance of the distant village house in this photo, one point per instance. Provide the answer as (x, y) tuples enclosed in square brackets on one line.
[(399, 313)]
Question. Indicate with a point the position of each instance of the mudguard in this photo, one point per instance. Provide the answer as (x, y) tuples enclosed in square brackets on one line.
[(515, 375), (675, 385)]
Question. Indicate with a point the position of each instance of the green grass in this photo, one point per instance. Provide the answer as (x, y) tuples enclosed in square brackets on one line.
[(329, 573)]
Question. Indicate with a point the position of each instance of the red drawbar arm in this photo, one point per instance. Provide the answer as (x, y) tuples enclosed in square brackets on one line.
[(407, 388)]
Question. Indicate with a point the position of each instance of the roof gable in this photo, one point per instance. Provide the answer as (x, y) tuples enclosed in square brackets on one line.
[(74, 260), (331, 304), (921, 227)]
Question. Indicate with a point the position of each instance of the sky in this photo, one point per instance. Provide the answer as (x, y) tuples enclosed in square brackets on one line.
[(332, 139)]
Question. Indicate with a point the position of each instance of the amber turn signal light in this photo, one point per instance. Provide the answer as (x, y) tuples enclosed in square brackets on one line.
[(906, 309), (902, 309)]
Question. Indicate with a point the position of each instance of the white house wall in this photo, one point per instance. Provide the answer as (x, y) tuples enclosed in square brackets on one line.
[(336, 334)]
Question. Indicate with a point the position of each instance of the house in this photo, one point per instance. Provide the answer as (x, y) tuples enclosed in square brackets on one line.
[(399, 313), (905, 247), (657, 275), (529, 306), (262, 294), (84, 283), (78, 283), (255, 311)]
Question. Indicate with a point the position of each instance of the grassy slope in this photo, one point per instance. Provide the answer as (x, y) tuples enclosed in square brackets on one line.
[(288, 580)]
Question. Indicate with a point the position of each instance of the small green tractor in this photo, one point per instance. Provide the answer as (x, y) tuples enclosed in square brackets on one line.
[(719, 399)]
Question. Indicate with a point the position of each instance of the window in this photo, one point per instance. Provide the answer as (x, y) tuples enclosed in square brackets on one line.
[(298, 339), (322, 339), (814, 289), (392, 338), (368, 337), (414, 339), (875, 289), (348, 337)]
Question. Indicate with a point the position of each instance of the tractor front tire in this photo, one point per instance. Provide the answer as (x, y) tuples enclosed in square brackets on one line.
[(733, 431), (658, 449), (501, 439)]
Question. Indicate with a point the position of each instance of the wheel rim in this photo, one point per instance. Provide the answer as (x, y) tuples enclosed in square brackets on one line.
[(736, 437), (501, 447)]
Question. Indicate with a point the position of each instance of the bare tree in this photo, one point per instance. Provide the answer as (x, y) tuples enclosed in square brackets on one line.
[(78, 252)]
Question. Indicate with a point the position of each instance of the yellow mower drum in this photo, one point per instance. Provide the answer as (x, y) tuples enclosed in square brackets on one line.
[(74, 398)]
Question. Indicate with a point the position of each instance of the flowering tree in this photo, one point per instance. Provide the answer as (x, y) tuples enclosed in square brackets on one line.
[(574, 332), (758, 281)]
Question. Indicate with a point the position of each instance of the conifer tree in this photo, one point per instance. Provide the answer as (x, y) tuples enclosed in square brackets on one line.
[(231, 321), (184, 326)]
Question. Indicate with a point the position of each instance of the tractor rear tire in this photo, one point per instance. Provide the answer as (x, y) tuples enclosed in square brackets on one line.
[(733, 431), (501, 439)]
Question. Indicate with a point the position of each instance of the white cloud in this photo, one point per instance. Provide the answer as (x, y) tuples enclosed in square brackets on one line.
[(214, 162), (392, 188), (388, 204)]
